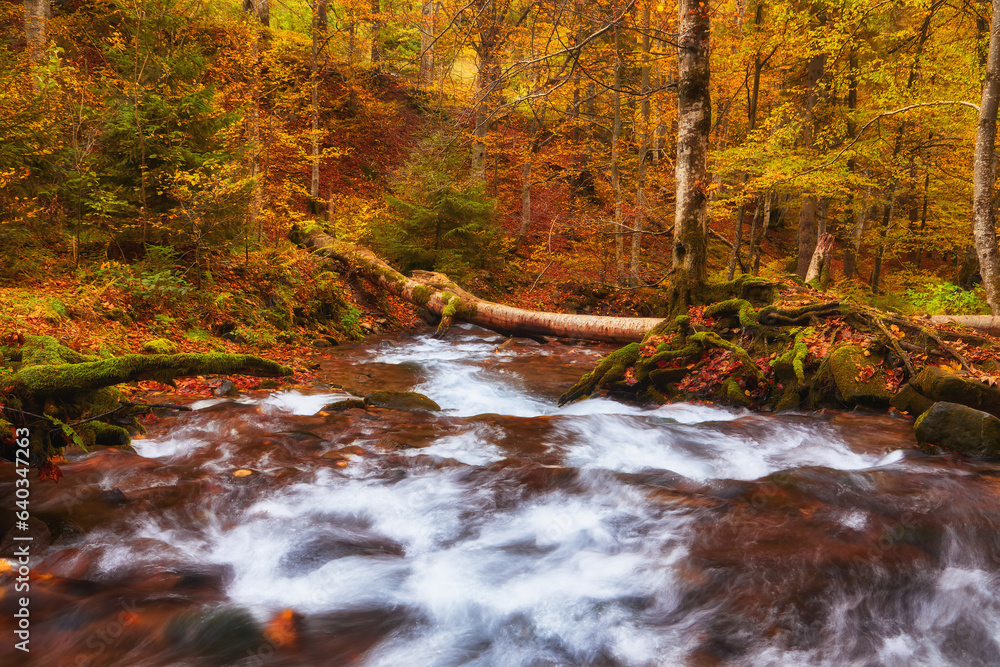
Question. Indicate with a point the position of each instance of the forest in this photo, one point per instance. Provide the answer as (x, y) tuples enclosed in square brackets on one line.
[(499, 332)]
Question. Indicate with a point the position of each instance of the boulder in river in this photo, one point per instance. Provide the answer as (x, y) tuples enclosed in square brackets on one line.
[(938, 384), (856, 375), (407, 401), (959, 428)]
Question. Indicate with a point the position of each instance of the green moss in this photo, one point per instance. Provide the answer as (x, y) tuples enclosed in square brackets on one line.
[(733, 395), (795, 357), (422, 294), (856, 378), (159, 346), (743, 309), (610, 369), (409, 401), (451, 304), (66, 379), (103, 434), (39, 350)]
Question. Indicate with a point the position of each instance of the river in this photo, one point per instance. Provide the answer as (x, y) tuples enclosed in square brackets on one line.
[(504, 531)]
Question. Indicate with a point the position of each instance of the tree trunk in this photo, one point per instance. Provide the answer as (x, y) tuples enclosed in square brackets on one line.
[(427, 28), (694, 122), (36, 16), (823, 249), (314, 98), (257, 195), (852, 246), (755, 244), (807, 213), (260, 9), (984, 171), (376, 49), (883, 235), (442, 297), (758, 67), (616, 135), (644, 142), (488, 82)]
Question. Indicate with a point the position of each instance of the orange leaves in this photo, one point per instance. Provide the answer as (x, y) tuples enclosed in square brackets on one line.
[(283, 629), (865, 373), (630, 378), (649, 347), (49, 470)]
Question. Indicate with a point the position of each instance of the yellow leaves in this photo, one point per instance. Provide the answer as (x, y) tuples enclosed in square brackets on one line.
[(953, 366)]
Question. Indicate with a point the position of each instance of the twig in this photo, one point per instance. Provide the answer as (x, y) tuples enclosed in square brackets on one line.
[(947, 348)]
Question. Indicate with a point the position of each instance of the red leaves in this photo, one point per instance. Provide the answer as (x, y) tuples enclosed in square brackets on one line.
[(719, 365), (649, 348), (630, 378), (49, 470), (14, 339)]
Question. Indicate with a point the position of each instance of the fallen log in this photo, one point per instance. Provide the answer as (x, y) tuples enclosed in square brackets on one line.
[(442, 297), (61, 396), (987, 324)]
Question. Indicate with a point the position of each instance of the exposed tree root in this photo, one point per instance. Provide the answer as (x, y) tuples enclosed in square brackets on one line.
[(65, 396)]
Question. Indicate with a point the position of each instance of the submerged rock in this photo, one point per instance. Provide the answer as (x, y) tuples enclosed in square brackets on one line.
[(407, 401), (959, 428)]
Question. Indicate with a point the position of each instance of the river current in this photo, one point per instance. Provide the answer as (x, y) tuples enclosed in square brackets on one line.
[(504, 531)]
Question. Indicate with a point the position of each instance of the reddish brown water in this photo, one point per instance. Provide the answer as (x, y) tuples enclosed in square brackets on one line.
[(504, 531)]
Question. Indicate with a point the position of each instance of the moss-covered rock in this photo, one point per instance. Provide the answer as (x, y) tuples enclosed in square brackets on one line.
[(959, 428), (938, 384), (407, 401), (160, 346), (911, 401), (855, 375), (346, 404)]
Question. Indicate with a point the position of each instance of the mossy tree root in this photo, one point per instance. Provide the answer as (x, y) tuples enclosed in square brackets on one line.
[(610, 369), (67, 379), (70, 396)]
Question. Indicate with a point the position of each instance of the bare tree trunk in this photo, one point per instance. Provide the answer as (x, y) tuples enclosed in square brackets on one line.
[(694, 122), (984, 171), (260, 9), (489, 75), (755, 243), (36, 17), (616, 134), (807, 213), (644, 141), (427, 28), (758, 67), (376, 28), (257, 196), (923, 220), (883, 235), (823, 249), (314, 98), (852, 245)]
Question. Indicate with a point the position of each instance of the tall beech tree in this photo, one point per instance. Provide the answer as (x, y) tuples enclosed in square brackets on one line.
[(36, 17), (694, 122), (984, 171)]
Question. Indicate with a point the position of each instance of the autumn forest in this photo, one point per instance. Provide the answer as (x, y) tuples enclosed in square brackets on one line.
[(499, 332)]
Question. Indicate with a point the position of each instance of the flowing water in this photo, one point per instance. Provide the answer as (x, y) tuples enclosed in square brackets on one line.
[(506, 531)]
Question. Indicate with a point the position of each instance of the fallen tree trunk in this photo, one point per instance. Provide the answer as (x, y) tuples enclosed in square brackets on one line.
[(442, 297), (987, 324), (61, 396)]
